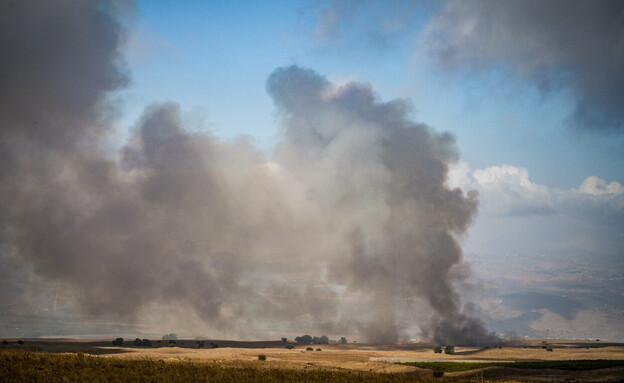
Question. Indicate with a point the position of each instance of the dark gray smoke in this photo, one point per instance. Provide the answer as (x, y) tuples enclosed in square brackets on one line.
[(348, 229), (559, 43)]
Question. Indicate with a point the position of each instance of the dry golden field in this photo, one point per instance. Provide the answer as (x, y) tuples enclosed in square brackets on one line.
[(354, 357)]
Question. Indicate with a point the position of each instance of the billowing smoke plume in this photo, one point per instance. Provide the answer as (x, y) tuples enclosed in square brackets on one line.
[(380, 181), (349, 227)]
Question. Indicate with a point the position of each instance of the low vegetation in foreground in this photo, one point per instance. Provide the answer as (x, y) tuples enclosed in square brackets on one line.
[(22, 366), (575, 365)]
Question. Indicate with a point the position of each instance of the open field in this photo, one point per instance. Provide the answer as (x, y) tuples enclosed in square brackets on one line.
[(335, 362)]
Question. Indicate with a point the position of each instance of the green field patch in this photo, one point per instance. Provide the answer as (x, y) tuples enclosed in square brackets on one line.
[(575, 365)]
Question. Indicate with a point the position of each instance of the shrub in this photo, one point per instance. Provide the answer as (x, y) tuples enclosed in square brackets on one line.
[(437, 349), (438, 373), (309, 349), (118, 342), (449, 349), (318, 349), (549, 349), (4, 342), (261, 357), (290, 346), (21, 342)]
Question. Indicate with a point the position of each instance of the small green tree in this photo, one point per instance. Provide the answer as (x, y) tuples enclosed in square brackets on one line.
[(437, 349), (449, 349), (118, 342), (261, 357)]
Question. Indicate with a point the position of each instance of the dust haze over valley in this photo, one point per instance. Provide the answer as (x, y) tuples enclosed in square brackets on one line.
[(348, 226)]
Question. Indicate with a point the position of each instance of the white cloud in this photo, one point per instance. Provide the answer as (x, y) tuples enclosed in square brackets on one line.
[(596, 186), (503, 190), (517, 215), (507, 190)]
